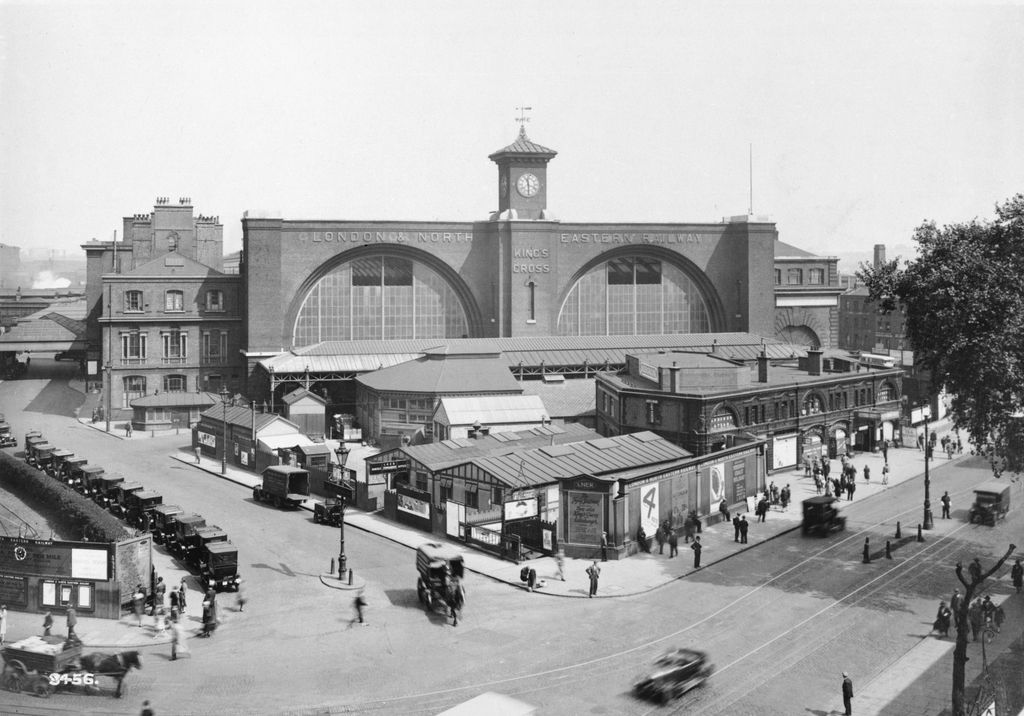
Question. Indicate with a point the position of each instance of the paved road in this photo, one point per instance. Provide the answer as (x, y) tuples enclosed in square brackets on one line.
[(781, 621)]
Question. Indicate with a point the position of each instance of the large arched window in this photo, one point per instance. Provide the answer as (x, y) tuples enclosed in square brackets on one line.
[(633, 295), (380, 298)]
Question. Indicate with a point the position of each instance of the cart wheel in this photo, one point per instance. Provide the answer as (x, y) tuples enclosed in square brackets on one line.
[(41, 687)]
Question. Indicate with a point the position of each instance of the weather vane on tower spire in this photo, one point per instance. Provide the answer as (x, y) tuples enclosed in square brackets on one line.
[(523, 119)]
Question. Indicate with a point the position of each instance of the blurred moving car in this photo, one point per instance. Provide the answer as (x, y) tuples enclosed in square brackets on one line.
[(673, 674)]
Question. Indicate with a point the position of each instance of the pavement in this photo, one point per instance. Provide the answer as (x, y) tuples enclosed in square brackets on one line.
[(619, 578)]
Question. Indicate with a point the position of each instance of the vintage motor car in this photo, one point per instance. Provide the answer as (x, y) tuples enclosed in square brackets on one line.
[(821, 517), (991, 502), (673, 674), (7, 438)]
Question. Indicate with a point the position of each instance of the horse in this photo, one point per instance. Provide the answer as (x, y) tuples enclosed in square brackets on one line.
[(455, 598), (116, 666)]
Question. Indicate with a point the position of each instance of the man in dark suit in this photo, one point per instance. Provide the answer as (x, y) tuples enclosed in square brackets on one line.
[(736, 528), (847, 694), (744, 526), (696, 547)]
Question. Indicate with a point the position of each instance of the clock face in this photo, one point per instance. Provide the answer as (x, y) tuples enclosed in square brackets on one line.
[(528, 185)]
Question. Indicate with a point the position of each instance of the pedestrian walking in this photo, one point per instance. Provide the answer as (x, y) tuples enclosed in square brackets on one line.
[(885, 451), (885, 474), (47, 623), (160, 622), (761, 510), (867, 550), (723, 507), (851, 487), (954, 601), (3, 623), (359, 604), (998, 617), (974, 618), (174, 600), (736, 528), (138, 602), (240, 598), (696, 547), (945, 505), (867, 473), (181, 595), (1017, 575), (128, 429), (847, 694), (975, 569), (147, 710), (659, 537), (673, 544), (179, 642), (72, 621), (594, 572), (941, 623), (158, 594), (784, 497), (744, 526), (641, 539), (560, 563), (604, 546)]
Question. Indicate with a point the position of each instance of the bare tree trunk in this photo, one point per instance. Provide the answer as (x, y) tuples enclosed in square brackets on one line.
[(963, 629)]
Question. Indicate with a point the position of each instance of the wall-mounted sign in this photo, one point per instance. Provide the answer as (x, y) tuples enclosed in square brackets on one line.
[(207, 439), (13, 590), (46, 558), (378, 468), (586, 517), (408, 503), (521, 509)]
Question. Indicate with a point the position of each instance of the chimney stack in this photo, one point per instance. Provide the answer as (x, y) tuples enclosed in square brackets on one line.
[(814, 361), (673, 378), (714, 346), (879, 255), (762, 368)]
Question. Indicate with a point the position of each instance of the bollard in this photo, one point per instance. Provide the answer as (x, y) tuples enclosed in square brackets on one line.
[(920, 537), (888, 550), (350, 577), (898, 532), (867, 551), (332, 566)]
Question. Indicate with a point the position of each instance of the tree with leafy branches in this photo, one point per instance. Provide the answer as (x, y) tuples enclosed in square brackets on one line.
[(963, 296)]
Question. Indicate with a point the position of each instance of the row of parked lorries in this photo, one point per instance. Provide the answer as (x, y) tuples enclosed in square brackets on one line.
[(204, 549)]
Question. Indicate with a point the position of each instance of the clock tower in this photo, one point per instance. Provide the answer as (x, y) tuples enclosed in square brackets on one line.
[(522, 178)]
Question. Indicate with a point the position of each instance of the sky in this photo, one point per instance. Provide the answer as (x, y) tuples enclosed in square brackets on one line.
[(862, 119)]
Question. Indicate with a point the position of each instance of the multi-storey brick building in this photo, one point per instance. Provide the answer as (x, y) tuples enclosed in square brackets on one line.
[(705, 401), (163, 320), (863, 327)]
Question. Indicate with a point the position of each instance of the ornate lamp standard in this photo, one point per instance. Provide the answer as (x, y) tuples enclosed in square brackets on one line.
[(342, 452), (225, 398), (928, 521)]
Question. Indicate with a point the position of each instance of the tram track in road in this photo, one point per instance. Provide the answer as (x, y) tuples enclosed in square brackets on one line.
[(609, 667), (815, 642)]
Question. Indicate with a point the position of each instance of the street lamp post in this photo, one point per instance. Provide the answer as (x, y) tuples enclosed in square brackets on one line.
[(110, 389), (225, 397), (928, 521), (342, 452)]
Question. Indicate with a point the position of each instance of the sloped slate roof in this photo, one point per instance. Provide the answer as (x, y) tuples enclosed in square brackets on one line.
[(492, 410), (300, 393), (523, 145), (544, 465), (435, 456), (242, 416), (568, 399), (784, 249), (445, 375), (177, 400), (172, 264)]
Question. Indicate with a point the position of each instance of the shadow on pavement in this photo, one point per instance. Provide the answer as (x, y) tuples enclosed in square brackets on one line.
[(57, 398)]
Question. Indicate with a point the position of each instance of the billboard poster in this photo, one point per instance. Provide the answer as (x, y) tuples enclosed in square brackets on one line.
[(48, 558), (521, 509), (414, 506), (586, 517), (649, 508), (716, 484)]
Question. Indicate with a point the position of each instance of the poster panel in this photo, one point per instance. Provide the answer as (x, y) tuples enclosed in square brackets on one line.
[(586, 515), (521, 509), (783, 451), (716, 485), (408, 503), (649, 508)]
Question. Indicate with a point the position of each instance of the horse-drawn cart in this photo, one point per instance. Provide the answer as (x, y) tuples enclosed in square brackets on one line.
[(441, 570), (41, 664)]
